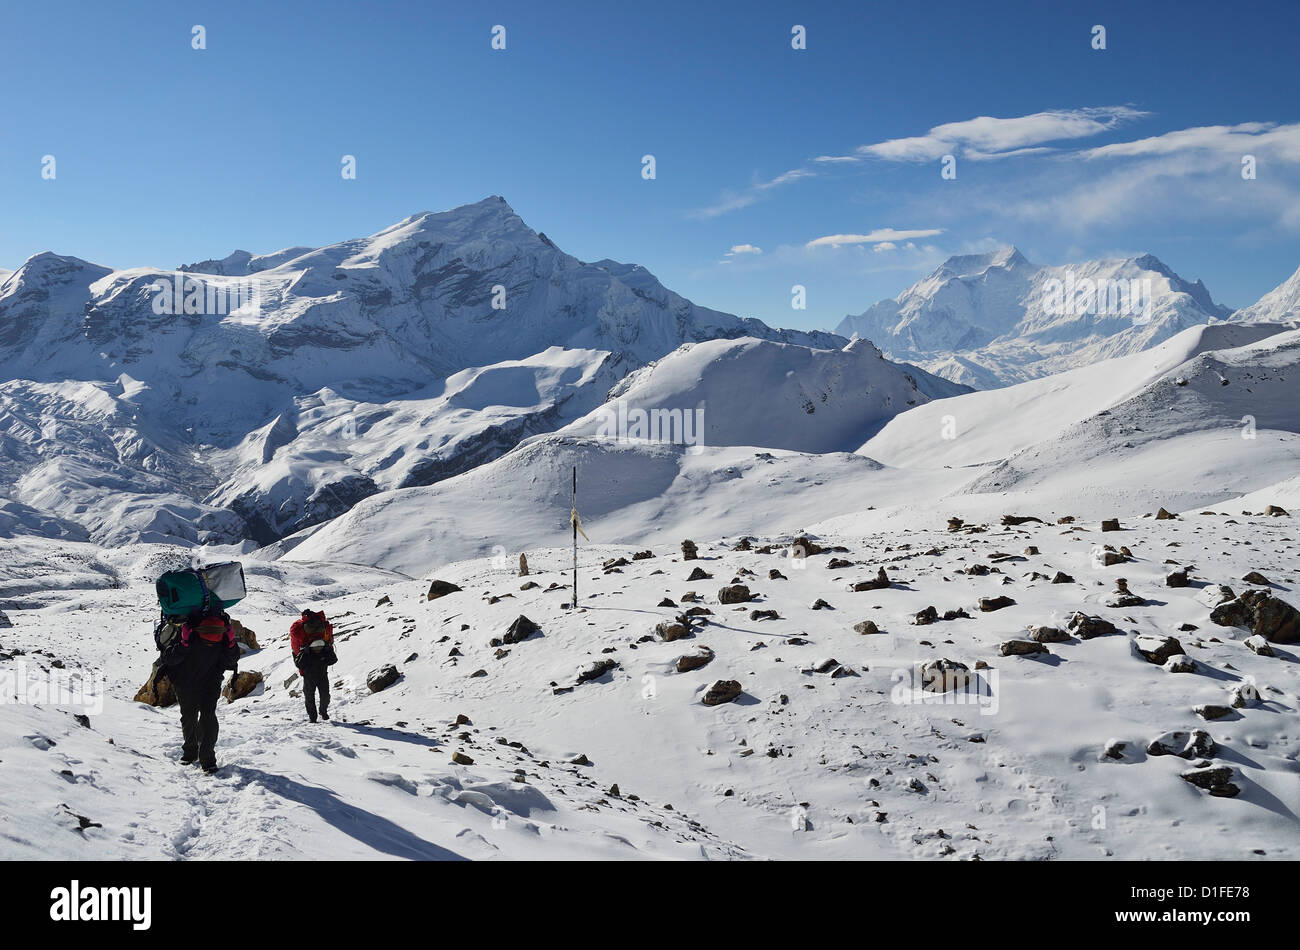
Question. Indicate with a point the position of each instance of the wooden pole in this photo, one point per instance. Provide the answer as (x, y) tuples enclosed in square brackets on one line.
[(574, 519)]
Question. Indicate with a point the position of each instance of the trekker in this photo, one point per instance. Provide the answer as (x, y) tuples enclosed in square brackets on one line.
[(311, 638), (208, 649)]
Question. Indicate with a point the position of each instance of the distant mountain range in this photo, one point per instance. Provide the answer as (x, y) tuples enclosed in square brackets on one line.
[(994, 319)]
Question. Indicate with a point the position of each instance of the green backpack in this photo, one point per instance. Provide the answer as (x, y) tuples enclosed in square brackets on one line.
[(219, 587)]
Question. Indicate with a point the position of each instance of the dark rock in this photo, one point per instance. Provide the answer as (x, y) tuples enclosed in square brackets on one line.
[(723, 691), (694, 661), (441, 589), (734, 594), (382, 678), (866, 627), (1021, 648), (988, 604), (1157, 649), (520, 630), (925, 617), (596, 670), (1263, 613)]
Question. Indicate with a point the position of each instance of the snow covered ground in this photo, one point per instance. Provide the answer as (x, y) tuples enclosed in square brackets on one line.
[(804, 763)]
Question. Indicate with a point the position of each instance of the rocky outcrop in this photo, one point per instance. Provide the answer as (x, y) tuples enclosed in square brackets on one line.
[(1264, 614)]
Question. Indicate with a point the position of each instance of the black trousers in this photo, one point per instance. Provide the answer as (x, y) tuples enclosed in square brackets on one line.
[(316, 679), (198, 701)]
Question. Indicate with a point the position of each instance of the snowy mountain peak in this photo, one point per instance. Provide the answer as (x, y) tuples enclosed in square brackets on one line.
[(995, 318), (1278, 305)]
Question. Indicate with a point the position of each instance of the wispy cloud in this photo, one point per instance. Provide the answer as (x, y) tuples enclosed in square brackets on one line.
[(744, 249), (734, 201), (986, 137), (879, 236), (1235, 140)]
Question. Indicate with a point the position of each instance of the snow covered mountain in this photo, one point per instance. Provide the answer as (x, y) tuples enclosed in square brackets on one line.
[(257, 395), (995, 319), (1279, 304)]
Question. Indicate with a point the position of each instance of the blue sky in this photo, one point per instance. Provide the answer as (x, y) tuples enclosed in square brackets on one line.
[(166, 154)]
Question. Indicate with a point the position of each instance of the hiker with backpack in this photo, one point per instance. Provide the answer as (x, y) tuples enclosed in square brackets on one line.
[(196, 643), (311, 639)]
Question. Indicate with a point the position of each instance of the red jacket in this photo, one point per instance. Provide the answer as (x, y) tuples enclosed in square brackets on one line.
[(299, 637)]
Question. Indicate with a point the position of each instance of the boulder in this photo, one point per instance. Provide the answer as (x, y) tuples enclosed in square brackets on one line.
[(1256, 578), (1049, 635), (866, 627), (806, 546), (689, 551), (699, 574), (1214, 594), (1258, 645), (1157, 649), (157, 691), (5, 622), (1212, 711), (734, 594), (1013, 520), (1196, 744), (241, 685), (694, 661), (1163, 515), (1176, 579), (1110, 524), (1243, 696), (1276, 511), (1062, 578), (382, 678), (925, 617), (441, 589), (723, 691), (520, 630), (1021, 648), (879, 582), (1180, 663), (460, 758), (245, 636), (668, 632), (988, 604), (1216, 779), (596, 670), (1264, 614), (1086, 628), (955, 524), (943, 675), (523, 565)]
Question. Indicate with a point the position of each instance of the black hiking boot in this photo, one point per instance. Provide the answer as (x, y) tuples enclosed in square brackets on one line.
[(324, 715), (189, 759)]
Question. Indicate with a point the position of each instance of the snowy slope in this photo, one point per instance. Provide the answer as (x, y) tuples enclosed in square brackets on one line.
[(986, 318), (1225, 422), (771, 395), (991, 425), (804, 764)]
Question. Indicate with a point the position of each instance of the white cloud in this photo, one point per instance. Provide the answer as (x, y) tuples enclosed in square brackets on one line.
[(744, 249), (885, 246), (879, 236), (986, 137), (1282, 140)]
